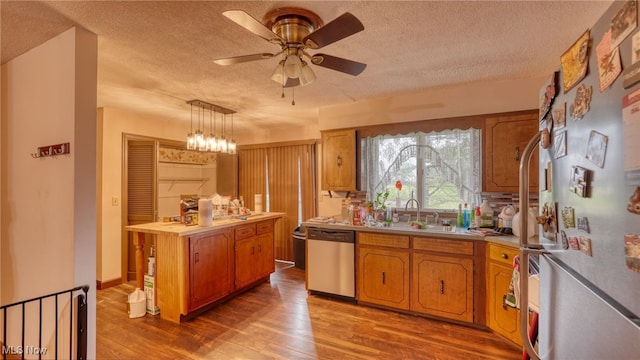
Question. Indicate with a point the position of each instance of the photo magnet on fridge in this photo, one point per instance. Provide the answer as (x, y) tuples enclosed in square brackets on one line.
[(585, 244), (634, 202), (632, 251), (568, 218)]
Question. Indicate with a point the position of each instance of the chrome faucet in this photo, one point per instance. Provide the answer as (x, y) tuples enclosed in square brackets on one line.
[(406, 206), (436, 217)]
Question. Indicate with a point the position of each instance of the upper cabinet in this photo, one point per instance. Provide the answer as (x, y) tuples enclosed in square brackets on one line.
[(505, 138), (339, 160)]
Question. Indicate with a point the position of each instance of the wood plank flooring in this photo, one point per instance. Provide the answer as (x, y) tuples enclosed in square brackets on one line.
[(279, 320)]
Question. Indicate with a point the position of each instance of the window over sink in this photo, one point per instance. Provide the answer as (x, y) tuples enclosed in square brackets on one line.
[(442, 168)]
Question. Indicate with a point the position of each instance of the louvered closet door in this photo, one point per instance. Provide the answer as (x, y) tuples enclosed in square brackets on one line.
[(141, 192)]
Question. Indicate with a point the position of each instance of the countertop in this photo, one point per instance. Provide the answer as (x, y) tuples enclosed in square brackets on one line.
[(180, 229), (405, 229)]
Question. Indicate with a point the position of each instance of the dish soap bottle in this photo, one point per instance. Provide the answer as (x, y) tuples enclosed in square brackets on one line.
[(459, 222)]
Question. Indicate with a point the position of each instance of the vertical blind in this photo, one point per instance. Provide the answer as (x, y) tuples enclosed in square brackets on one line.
[(286, 173)]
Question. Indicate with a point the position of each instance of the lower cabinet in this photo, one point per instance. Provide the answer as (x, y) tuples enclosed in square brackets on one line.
[(442, 278), (254, 255), (443, 286), (423, 275), (383, 270), (210, 274), (387, 277), (502, 319)]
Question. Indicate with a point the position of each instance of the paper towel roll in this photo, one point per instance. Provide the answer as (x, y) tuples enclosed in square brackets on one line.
[(205, 212), (257, 203)]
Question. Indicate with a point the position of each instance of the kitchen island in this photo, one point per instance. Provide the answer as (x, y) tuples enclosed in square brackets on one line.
[(454, 275), (199, 266)]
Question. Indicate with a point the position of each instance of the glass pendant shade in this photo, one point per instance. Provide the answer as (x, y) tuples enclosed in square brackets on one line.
[(191, 141), (278, 73), (306, 75), (231, 146), (222, 145), (293, 66), (212, 143)]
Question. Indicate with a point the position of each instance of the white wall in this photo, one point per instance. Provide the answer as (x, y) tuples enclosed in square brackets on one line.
[(49, 205)]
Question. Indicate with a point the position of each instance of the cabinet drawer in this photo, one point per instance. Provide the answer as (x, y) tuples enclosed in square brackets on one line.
[(395, 241), (264, 227), (459, 247), (245, 231), (502, 254)]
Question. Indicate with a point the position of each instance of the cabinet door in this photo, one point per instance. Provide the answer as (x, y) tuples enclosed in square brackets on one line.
[(339, 160), (503, 319), (209, 270), (443, 286), (383, 277), (264, 259), (244, 255), (505, 140)]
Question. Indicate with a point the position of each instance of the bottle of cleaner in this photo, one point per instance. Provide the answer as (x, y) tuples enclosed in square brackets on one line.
[(459, 223), (477, 217), (472, 216)]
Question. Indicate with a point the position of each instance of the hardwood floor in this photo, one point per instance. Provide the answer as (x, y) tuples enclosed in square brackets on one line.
[(279, 320)]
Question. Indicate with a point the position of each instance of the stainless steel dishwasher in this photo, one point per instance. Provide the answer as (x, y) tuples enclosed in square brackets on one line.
[(331, 263)]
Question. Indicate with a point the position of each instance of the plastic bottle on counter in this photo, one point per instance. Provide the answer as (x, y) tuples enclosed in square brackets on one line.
[(472, 216), (486, 215), (395, 216), (459, 222)]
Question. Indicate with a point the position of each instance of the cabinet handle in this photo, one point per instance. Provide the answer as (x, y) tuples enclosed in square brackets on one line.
[(339, 160), (504, 301), (517, 154), (441, 286), (253, 250), (197, 257), (383, 278), (505, 256)]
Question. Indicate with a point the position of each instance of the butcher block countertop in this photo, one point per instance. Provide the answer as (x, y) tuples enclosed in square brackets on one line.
[(180, 229)]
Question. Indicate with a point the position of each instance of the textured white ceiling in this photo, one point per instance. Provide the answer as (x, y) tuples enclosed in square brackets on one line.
[(153, 56)]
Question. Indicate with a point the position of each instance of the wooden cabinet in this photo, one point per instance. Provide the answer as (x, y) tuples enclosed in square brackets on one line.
[(442, 278), (505, 138), (339, 160), (210, 267), (383, 270), (502, 319), (254, 255)]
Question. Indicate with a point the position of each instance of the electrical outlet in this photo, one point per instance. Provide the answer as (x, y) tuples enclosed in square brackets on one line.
[(115, 201)]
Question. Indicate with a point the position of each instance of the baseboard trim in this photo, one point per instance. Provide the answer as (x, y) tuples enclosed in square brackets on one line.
[(101, 285)]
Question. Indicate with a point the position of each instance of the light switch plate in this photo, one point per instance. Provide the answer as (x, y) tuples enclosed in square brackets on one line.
[(115, 201)]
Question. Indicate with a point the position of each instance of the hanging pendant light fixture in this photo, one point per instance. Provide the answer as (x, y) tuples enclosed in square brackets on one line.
[(222, 142), (198, 141), (212, 141), (191, 139), (231, 145)]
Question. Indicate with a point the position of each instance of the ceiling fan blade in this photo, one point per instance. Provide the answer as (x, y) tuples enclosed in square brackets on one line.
[(250, 23), (341, 27), (339, 64), (243, 58)]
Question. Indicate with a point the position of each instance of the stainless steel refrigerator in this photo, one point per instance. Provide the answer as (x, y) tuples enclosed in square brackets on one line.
[(588, 242)]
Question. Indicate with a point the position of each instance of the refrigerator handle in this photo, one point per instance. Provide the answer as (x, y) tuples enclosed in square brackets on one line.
[(525, 160), (525, 249)]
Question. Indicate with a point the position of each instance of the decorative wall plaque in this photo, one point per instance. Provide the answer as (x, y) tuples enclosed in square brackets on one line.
[(575, 62)]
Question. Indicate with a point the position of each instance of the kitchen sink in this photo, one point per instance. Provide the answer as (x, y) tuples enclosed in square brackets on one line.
[(427, 227)]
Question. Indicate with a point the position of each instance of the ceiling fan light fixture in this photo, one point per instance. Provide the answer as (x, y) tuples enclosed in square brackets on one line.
[(293, 66)]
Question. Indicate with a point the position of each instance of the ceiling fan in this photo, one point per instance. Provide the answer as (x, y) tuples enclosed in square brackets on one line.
[(296, 30)]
